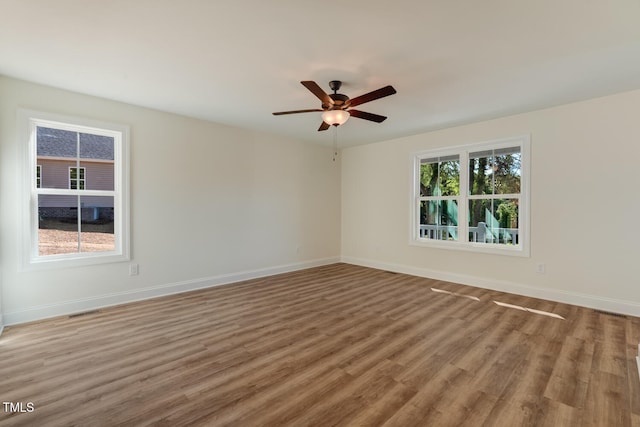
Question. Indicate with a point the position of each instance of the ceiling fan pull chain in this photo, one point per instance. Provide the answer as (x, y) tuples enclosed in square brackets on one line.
[(335, 143)]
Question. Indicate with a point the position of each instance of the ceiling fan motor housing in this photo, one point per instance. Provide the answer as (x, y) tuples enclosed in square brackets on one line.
[(340, 101)]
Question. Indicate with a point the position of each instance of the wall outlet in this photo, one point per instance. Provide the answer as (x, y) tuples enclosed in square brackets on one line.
[(134, 269), (540, 268)]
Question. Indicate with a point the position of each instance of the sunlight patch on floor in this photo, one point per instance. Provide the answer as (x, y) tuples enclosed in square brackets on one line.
[(530, 310), (455, 294)]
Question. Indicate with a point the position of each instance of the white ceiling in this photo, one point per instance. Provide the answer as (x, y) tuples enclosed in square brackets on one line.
[(235, 62)]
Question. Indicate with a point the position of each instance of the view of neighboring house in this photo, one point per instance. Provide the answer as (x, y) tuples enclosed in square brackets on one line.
[(68, 160)]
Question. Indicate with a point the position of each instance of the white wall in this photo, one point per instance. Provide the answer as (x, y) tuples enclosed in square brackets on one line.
[(585, 206), (209, 203)]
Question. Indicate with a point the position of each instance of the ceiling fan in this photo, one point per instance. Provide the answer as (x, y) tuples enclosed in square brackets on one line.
[(337, 108)]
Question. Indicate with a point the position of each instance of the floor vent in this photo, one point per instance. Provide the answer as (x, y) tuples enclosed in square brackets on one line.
[(84, 313), (608, 313)]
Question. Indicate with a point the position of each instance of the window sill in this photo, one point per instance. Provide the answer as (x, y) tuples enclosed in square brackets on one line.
[(485, 248), (73, 260)]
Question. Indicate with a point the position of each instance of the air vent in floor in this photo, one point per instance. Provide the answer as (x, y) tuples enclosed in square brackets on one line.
[(608, 313), (84, 313)]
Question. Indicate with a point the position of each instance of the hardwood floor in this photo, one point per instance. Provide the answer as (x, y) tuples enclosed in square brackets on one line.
[(334, 345)]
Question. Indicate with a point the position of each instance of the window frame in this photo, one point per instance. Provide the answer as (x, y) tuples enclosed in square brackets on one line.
[(463, 243), (28, 122)]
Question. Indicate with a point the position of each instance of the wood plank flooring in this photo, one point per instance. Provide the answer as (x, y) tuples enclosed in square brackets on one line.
[(338, 345)]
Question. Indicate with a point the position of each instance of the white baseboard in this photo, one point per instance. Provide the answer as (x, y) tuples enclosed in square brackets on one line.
[(86, 304), (584, 300)]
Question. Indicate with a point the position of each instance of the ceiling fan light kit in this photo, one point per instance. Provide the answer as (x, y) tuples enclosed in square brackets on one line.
[(335, 117), (336, 107)]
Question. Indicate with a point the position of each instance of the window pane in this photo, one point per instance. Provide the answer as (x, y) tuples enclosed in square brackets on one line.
[(97, 156), (480, 179), (495, 171), (507, 173), (428, 178), (57, 151), (494, 221), (97, 227), (57, 143), (450, 177), (439, 219), (440, 176), (57, 225)]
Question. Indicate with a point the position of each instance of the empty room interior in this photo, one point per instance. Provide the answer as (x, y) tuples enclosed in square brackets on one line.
[(410, 213)]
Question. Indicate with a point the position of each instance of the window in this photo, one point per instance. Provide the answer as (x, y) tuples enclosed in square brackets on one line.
[(76, 182), (78, 213), (439, 197), (473, 197)]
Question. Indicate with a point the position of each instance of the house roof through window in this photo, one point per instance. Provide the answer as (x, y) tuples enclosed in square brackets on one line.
[(63, 143)]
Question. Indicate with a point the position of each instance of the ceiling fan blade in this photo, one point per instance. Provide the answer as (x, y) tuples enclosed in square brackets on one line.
[(372, 96), (279, 113), (317, 91), (324, 126), (367, 116)]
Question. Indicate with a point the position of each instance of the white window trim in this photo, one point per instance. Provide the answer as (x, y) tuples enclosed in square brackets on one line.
[(523, 248), (28, 121)]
